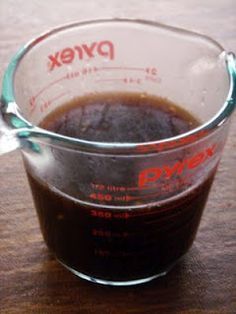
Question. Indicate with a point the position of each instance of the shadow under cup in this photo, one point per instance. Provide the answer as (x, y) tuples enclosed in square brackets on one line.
[(121, 213)]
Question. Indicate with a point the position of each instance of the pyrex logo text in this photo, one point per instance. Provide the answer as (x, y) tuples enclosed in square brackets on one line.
[(67, 55), (150, 176)]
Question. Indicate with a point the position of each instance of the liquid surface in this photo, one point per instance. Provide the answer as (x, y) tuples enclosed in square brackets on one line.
[(101, 242), (121, 117)]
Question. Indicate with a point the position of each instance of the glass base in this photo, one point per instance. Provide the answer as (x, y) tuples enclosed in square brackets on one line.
[(114, 283)]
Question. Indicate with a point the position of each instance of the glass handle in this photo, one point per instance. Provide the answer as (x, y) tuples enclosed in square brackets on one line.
[(231, 66), (14, 132), (9, 140), (231, 63)]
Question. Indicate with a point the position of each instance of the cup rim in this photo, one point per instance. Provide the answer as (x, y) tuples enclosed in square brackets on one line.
[(17, 120)]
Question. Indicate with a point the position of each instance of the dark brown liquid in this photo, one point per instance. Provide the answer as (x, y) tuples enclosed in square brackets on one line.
[(121, 117), (116, 244)]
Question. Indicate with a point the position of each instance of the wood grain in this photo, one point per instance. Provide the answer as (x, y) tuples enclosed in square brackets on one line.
[(31, 281)]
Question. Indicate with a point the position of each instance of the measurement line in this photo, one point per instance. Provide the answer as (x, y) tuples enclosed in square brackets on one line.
[(121, 68), (138, 188), (49, 102), (166, 207), (48, 86), (108, 80), (158, 210), (32, 109), (143, 196), (177, 183), (147, 187), (58, 96)]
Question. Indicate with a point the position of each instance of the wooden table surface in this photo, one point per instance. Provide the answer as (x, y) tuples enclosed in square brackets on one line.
[(31, 281)]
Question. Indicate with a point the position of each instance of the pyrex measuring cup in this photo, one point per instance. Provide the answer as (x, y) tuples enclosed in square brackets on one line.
[(118, 213)]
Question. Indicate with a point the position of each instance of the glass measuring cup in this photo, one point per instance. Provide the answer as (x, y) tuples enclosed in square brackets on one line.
[(118, 213)]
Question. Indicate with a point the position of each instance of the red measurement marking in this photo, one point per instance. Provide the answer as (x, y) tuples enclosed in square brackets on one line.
[(162, 146), (110, 188), (141, 197), (151, 70), (120, 68), (101, 233), (32, 99), (72, 75), (108, 233), (82, 71), (163, 208), (124, 80), (121, 215), (46, 104), (88, 70), (114, 188), (131, 80), (108, 215), (111, 79), (163, 188), (100, 214), (101, 197), (33, 107), (152, 79), (146, 187), (122, 198), (137, 188), (97, 186)]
